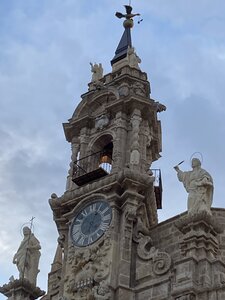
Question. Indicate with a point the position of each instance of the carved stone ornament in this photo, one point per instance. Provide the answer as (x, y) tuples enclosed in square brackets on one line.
[(188, 221), (130, 214), (159, 107), (89, 268), (133, 59), (139, 89), (161, 260), (102, 291), (199, 229), (186, 297), (23, 284), (146, 251), (124, 90), (101, 122), (97, 72)]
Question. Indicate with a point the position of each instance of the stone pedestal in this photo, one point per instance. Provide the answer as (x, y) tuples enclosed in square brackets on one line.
[(21, 289), (200, 236), (194, 274)]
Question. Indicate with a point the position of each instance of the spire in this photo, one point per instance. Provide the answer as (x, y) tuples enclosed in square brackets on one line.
[(125, 42)]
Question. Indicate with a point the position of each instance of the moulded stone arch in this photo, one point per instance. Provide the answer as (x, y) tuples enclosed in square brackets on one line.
[(100, 151), (84, 106), (100, 141)]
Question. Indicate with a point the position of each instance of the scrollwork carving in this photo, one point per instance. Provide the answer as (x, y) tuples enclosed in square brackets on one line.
[(146, 251), (161, 261)]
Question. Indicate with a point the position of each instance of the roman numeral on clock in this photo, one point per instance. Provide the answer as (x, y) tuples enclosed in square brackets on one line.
[(76, 236), (93, 207), (103, 226), (106, 217), (105, 210), (81, 240)]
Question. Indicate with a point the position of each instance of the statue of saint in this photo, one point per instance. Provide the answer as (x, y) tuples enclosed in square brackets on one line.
[(199, 185), (27, 256), (97, 72)]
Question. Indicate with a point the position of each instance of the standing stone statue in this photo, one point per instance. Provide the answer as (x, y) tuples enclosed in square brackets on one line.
[(133, 58), (97, 72), (27, 256), (199, 185)]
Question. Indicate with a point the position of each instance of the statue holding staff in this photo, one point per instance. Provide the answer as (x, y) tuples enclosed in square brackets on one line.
[(27, 256)]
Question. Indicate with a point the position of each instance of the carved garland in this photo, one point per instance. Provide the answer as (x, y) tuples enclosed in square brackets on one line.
[(89, 272)]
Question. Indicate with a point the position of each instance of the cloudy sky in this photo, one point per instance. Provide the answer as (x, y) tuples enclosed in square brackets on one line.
[(45, 50)]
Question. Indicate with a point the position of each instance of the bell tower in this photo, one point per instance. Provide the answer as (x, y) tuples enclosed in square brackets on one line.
[(112, 195)]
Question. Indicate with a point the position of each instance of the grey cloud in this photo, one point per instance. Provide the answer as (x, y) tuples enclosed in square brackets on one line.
[(44, 67)]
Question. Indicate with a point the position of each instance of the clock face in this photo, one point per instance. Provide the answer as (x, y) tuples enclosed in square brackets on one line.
[(91, 223)]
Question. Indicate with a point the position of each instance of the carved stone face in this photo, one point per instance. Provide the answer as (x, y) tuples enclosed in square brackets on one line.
[(26, 231), (195, 162)]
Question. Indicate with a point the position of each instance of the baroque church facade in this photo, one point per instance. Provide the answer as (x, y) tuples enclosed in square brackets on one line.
[(110, 243)]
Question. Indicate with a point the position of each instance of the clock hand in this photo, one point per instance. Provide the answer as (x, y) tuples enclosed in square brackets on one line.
[(91, 222)]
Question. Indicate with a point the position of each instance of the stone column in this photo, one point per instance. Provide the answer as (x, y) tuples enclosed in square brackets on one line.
[(83, 148), (119, 144), (135, 155), (75, 146), (145, 145)]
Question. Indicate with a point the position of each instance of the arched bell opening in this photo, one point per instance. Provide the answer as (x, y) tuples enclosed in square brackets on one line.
[(106, 157), (97, 164), (103, 147)]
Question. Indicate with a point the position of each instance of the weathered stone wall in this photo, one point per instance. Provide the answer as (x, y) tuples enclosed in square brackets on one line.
[(197, 269)]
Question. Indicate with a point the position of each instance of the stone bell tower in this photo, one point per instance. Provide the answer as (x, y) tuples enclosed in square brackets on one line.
[(112, 195)]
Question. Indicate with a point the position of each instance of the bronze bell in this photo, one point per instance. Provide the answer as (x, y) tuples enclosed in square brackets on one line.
[(105, 158)]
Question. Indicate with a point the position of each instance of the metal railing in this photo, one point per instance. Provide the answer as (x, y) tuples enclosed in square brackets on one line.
[(158, 186), (99, 164), (98, 161)]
